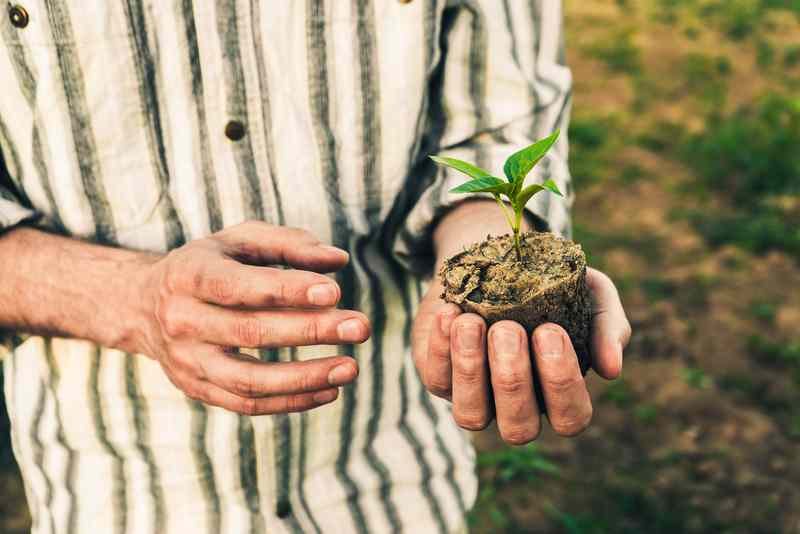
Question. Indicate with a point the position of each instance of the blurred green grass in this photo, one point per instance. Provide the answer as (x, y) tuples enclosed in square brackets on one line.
[(684, 153)]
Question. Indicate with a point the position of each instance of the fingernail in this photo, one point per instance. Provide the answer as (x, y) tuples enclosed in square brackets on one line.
[(323, 295), (445, 320), (550, 343), (341, 375), (324, 397), (469, 336), (337, 250), (506, 342), (351, 331)]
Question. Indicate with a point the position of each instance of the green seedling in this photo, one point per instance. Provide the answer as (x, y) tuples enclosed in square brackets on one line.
[(516, 168)]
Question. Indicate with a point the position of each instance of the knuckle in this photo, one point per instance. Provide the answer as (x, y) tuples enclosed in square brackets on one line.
[(296, 403), (468, 370), (221, 289), (173, 278), (247, 250), (250, 332), (172, 319), (248, 406), (179, 359), (283, 295), (194, 392), (312, 332), (196, 283), (472, 421), (561, 384), (244, 386), (303, 382), (509, 382)]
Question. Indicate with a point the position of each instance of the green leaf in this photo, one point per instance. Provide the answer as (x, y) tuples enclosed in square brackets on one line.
[(518, 165), (462, 166), (551, 186), (488, 184), (526, 194)]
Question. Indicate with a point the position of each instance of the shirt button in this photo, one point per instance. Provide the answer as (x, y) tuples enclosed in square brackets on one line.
[(19, 16), (283, 509), (234, 130)]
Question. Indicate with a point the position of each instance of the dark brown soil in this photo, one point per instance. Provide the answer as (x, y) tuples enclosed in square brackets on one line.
[(547, 285)]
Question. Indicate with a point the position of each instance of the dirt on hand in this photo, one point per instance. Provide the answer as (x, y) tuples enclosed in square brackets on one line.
[(547, 285)]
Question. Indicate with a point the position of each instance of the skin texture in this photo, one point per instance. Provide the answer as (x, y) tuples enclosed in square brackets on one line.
[(186, 309), (487, 372)]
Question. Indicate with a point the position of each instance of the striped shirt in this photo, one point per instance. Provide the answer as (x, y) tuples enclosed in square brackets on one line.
[(112, 129)]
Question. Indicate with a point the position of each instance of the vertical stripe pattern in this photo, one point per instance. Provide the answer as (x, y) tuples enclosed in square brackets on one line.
[(341, 102), (83, 137), (119, 490)]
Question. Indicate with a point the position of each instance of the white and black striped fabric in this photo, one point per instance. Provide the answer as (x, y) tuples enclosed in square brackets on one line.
[(112, 121)]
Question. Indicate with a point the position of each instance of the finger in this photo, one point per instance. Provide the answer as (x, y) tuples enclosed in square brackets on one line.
[(611, 330), (191, 319), (230, 283), (424, 322), (259, 243), (245, 376), (210, 394), (569, 408), (515, 405), (438, 367), (471, 408)]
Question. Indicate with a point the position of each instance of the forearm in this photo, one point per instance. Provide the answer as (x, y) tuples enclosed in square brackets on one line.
[(59, 286)]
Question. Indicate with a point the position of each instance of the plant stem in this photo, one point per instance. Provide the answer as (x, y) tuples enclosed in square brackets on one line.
[(505, 211), (511, 222), (517, 227)]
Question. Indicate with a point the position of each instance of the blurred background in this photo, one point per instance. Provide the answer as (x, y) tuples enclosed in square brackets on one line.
[(686, 159)]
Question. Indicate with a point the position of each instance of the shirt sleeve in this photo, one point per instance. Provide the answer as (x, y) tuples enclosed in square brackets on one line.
[(500, 85)]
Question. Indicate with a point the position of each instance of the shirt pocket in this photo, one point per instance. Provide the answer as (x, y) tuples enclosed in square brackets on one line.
[(92, 159)]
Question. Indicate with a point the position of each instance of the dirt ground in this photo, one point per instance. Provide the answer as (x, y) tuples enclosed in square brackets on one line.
[(702, 433)]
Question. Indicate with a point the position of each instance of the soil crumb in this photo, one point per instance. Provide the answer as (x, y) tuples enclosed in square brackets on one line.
[(547, 285)]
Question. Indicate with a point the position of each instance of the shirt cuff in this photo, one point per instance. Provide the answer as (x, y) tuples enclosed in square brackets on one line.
[(13, 213)]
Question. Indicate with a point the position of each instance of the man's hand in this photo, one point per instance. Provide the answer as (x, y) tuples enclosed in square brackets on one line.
[(213, 294), (488, 372)]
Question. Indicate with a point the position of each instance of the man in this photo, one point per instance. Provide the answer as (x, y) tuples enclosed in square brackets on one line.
[(163, 160)]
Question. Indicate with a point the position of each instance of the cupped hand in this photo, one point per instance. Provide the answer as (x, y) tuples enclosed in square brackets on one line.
[(204, 300), (488, 373)]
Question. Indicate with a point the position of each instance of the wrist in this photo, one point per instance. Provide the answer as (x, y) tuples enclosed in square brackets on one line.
[(129, 330), (467, 223)]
